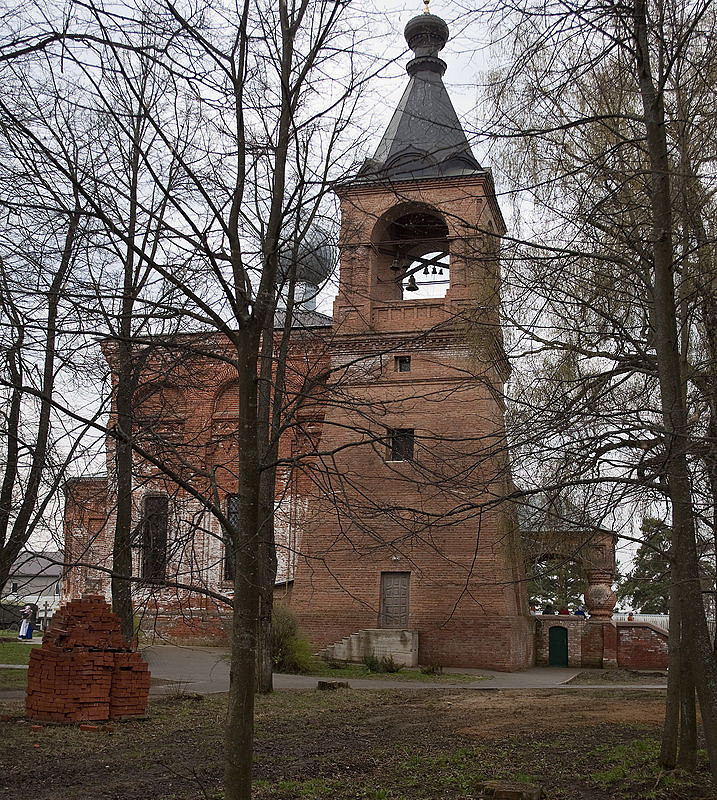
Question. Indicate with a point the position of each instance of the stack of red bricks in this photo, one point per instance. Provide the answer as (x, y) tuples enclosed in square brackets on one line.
[(85, 669)]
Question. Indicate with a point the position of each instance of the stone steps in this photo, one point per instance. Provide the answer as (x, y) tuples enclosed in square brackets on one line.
[(399, 644)]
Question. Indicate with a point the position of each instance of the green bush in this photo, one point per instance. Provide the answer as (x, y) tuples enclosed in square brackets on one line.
[(384, 664), (290, 649), (371, 663), (389, 665)]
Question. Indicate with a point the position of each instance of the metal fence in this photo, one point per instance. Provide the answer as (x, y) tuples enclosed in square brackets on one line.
[(660, 620)]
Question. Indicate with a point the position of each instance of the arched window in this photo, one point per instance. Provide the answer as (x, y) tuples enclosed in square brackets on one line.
[(159, 411), (413, 254), (232, 511), (153, 536)]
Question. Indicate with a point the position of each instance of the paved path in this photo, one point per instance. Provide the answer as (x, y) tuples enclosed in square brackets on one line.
[(205, 670)]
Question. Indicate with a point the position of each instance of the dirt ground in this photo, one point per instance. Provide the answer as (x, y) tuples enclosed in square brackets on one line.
[(577, 744)]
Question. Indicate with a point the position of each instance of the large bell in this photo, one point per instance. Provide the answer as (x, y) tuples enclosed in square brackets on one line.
[(411, 286)]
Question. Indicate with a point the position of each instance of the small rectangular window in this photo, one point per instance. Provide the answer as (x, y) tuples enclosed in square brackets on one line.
[(57, 589), (400, 444), (13, 587), (233, 517), (154, 536), (402, 363)]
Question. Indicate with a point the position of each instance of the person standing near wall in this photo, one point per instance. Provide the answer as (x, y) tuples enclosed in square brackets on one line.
[(27, 622)]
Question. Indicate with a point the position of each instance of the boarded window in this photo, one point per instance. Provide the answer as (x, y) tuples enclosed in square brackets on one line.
[(154, 536), (402, 363), (233, 517), (400, 444)]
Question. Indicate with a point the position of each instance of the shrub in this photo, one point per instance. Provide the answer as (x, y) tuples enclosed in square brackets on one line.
[(389, 665), (371, 663), (290, 649), (384, 664), (432, 669)]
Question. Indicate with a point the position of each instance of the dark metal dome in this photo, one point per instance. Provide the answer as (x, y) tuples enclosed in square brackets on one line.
[(315, 258), (426, 34)]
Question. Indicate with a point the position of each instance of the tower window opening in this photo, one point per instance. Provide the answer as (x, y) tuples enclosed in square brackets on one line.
[(400, 444), (415, 256), (431, 276), (402, 363)]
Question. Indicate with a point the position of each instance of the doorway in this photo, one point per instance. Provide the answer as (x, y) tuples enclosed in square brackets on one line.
[(393, 608), (558, 646)]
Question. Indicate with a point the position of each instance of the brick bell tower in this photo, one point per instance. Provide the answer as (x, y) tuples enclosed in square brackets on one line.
[(405, 529)]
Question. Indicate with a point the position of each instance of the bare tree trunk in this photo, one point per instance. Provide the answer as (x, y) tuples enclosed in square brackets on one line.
[(671, 726), (267, 494), (242, 678), (12, 544), (687, 758), (674, 413), (122, 544), (124, 394)]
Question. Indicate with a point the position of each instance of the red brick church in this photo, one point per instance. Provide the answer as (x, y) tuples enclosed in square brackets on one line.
[(392, 530)]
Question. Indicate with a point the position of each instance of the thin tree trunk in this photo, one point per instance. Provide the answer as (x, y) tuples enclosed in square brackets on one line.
[(122, 544), (239, 738), (267, 494), (124, 394), (671, 725), (13, 544), (674, 413)]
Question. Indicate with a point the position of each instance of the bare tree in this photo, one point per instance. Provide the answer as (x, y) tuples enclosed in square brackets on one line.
[(249, 181), (609, 312)]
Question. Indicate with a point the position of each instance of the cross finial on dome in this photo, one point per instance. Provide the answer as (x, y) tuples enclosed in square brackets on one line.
[(425, 3)]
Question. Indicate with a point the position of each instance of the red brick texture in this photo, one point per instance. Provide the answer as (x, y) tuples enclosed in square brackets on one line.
[(602, 644), (85, 669), (438, 517), (349, 515), (641, 646)]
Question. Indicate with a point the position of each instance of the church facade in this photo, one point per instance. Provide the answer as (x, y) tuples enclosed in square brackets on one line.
[(390, 503)]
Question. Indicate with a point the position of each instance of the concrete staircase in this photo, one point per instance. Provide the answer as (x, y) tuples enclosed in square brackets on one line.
[(400, 645)]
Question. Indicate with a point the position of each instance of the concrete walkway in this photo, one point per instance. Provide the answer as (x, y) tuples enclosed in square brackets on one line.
[(205, 670)]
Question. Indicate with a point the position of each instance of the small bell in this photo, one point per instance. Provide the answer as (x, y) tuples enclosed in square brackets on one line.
[(411, 286), (433, 271), (425, 270), (395, 266), (440, 271)]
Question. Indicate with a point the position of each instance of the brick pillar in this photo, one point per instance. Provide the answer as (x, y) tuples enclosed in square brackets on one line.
[(609, 644), (599, 596)]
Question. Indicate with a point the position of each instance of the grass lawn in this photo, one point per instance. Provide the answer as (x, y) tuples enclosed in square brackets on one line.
[(410, 744), (13, 678), (13, 651), (345, 672)]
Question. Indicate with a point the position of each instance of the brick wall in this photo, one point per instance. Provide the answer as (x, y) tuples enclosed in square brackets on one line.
[(353, 514), (575, 627), (641, 646)]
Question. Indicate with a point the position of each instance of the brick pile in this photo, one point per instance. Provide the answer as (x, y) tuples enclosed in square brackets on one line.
[(85, 669)]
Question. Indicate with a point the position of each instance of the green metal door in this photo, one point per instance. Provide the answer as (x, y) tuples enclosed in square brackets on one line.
[(558, 647)]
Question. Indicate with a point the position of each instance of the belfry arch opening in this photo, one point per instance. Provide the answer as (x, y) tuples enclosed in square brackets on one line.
[(412, 252)]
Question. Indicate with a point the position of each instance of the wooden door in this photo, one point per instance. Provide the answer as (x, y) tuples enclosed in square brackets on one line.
[(394, 600), (558, 647)]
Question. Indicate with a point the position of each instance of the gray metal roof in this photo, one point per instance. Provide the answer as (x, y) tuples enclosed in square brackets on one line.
[(424, 138), (32, 565), (302, 319)]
